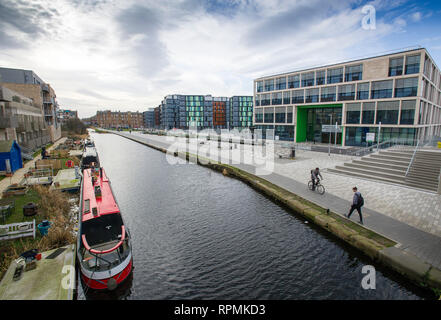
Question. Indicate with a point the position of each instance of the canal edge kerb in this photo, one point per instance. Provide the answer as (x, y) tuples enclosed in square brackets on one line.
[(407, 264)]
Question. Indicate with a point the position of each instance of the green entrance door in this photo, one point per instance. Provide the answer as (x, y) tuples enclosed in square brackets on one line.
[(310, 120)]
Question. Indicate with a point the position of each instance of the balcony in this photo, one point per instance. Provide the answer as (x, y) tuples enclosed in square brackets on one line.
[(10, 121)]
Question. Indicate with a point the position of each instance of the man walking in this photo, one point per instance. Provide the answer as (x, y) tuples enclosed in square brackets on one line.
[(357, 203)]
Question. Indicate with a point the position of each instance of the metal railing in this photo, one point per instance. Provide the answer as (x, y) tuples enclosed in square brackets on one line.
[(412, 159)]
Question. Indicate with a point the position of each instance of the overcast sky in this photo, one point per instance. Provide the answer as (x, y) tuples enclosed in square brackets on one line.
[(128, 55)]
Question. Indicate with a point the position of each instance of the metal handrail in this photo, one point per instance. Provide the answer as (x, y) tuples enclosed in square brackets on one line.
[(412, 159)]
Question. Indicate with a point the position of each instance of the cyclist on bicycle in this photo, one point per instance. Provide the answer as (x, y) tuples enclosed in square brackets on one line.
[(315, 174)]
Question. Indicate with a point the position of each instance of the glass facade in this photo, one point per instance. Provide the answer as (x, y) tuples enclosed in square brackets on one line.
[(269, 85), (368, 114), (258, 115), (328, 94), (363, 91), (413, 64), (353, 111), (320, 77), (259, 86), (335, 75), (289, 114), (311, 95), (298, 96), (268, 115), (408, 111), (294, 81), (276, 98), (354, 73), (281, 83), (285, 133), (286, 97), (280, 114), (406, 87), (308, 79), (381, 89), (316, 117), (396, 66), (356, 136), (387, 112), (346, 92)]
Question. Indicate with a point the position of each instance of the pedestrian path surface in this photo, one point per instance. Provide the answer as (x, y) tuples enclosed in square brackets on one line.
[(423, 244)]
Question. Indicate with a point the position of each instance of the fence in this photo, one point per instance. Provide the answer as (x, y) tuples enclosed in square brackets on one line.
[(17, 230)]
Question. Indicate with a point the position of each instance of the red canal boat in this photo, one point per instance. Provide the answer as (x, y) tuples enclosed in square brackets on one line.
[(104, 250)]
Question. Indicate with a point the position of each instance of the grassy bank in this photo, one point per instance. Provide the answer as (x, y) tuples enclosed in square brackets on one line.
[(53, 206)]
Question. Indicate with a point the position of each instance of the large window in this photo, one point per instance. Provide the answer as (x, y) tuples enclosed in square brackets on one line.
[(280, 114), (407, 111), (294, 81), (387, 112), (281, 83), (328, 94), (311, 95), (257, 100), (289, 114), (406, 87), (298, 96), (276, 98), (269, 115), (396, 66), (269, 85), (353, 112), (308, 79), (368, 115), (335, 75), (265, 99), (258, 115), (381, 89), (363, 91), (286, 97), (320, 77), (412, 64), (259, 86), (346, 92), (354, 73)]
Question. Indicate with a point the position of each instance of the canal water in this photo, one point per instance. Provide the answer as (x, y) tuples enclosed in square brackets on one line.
[(199, 235)]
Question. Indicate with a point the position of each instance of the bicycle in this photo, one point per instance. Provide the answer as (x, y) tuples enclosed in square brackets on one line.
[(318, 187)]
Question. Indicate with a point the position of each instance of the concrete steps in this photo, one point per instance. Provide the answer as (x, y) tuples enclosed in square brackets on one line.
[(391, 166)]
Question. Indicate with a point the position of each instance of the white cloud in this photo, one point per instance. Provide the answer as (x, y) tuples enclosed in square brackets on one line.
[(416, 16), (128, 55)]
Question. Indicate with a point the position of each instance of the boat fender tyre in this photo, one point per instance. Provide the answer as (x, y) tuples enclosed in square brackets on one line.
[(112, 284)]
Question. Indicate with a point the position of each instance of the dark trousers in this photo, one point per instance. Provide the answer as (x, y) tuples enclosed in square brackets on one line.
[(353, 207), (314, 183)]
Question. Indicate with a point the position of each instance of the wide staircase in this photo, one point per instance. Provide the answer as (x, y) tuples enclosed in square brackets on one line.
[(391, 166)]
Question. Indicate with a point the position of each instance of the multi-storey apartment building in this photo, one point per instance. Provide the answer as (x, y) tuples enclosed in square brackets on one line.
[(241, 112), (205, 112), (117, 119), (149, 118), (396, 95), (21, 120), (30, 85), (63, 115)]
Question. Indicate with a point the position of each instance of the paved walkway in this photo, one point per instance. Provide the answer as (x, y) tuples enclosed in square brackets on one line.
[(423, 244), (19, 174)]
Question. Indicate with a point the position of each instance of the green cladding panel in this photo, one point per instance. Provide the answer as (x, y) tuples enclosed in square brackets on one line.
[(302, 119)]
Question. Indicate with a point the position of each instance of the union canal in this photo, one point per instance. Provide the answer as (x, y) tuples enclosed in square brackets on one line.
[(199, 235)]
